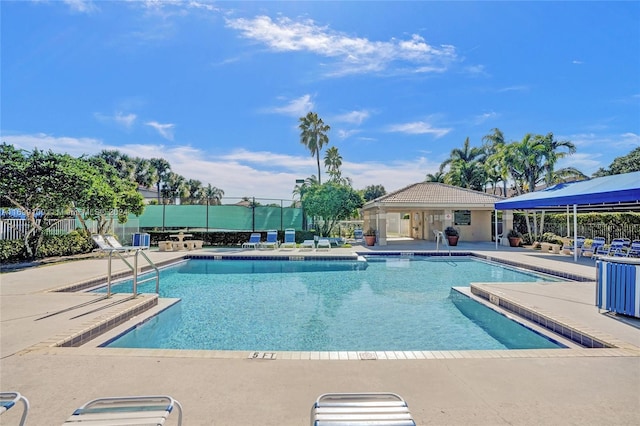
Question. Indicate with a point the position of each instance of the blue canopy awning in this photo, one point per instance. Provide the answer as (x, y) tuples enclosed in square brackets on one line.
[(617, 192)]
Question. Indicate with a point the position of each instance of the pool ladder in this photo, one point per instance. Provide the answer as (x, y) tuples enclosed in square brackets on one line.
[(134, 269), (440, 237)]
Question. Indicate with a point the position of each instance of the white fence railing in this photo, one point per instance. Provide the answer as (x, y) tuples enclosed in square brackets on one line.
[(15, 229)]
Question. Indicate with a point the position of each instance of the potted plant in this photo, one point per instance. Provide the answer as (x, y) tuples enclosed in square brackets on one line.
[(514, 238), (370, 237), (452, 235)]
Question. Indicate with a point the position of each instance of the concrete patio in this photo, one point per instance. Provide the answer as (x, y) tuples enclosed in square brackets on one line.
[(516, 387)]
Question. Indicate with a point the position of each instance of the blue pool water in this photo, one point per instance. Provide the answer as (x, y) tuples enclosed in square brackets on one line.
[(382, 304)]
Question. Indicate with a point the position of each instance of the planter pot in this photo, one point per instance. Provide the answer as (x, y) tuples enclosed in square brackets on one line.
[(370, 240), (514, 241), (453, 240)]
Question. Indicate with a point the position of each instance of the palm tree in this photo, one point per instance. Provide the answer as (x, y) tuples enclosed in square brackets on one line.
[(496, 170), (174, 186), (121, 162), (435, 177), (333, 161), (213, 195), (145, 174), (195, 191), (552, 155), (313, 135), (465, 167), (163, 168)]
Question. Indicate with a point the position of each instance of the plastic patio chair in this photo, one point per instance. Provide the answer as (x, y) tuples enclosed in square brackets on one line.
[(289, 239), (346, 409), (126, 410), (323, 244), (9, 400), (593, 248), (254, 241), (272, 240)]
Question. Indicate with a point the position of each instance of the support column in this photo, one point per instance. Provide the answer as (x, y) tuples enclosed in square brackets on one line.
[(381, 226)]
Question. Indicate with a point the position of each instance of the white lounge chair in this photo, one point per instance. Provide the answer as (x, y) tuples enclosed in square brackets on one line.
[(127, 410), (289, 239), (9, 400), (307, 245), (323, 244), (113, 242), (351, 409), (272, 240), (106, 247), (254, 241)]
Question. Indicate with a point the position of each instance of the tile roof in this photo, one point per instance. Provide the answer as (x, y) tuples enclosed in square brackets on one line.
[(433, 194)]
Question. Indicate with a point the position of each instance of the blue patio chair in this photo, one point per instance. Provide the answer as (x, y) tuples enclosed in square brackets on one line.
[(593, 248), (571, 246), (126, 410), (9, 400), (634, 250), (254, 241), (617, 248), (272, 240), (358, 235), (289, 239)]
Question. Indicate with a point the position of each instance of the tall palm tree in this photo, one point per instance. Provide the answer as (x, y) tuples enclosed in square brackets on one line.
[(163, 168), (496, 170), (121, 162), (333, 161), (195, 191), (145, 173), (174, 186), (313, 135), (552, 154), (465, 166), (213, 195)]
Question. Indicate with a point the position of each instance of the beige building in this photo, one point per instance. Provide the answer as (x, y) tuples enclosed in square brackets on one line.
[(428, 207)]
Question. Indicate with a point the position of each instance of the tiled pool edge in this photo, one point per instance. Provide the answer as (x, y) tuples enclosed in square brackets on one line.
[(558, 326), (90, 331)]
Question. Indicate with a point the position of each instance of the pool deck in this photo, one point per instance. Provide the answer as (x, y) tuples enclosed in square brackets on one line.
[(518, 387)]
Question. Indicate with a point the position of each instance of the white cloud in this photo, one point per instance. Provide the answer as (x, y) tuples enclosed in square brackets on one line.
[(165, 130), (353, 117), (577, 62), (353, 55), (239, 172), (479, 119), (418, 128), (119, 118), (295, 107), (521, 88), (82, 6)]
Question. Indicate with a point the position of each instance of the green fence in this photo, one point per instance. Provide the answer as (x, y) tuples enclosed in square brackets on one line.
[(219, 218)]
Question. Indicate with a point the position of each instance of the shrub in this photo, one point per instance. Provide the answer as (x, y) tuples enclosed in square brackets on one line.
[(75, 242), (12, 251)]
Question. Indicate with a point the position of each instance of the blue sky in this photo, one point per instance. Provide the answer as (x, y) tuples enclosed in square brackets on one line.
[(217, 88)]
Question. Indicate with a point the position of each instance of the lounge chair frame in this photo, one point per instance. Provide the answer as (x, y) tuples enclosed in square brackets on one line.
[(254, 241), (9, 400), (372, 408), (126, 410)]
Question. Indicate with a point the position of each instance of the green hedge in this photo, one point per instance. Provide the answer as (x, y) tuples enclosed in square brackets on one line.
[(75, 242), (222, 239)]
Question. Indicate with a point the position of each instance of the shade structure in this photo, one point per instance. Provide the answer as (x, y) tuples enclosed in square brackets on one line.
[(617, 192)]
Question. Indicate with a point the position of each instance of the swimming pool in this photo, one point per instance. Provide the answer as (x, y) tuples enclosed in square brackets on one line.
[(382, 304)]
